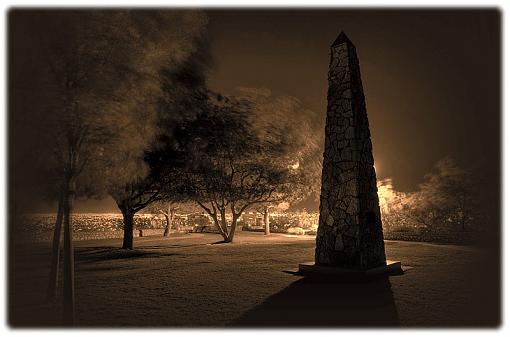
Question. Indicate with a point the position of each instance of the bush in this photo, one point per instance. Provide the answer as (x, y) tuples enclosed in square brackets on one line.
[(402, 229), (296, 231)]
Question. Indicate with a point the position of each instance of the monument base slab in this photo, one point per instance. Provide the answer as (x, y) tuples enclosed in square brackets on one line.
[(311, 269)]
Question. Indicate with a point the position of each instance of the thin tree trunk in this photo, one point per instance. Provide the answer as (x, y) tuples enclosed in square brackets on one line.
[(267, 230), (223, 224), (167, 227), (169, 217), (224, 220), (232, 232), (55, 255), (128, 216), (220, 229), (214, 216), (168, 221), (68, 307)]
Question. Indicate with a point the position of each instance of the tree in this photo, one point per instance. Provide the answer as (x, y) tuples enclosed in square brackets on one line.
[(230, 167), (264, 210), (183, 96), (132, 198), (73, 52), (162, 41), (284, 119), (446, 200), (55, 254), (169, 215), (96, 73), (169, 209), (449, 197)]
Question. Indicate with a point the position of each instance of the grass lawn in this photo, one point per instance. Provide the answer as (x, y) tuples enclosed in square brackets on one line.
[(188, 280)]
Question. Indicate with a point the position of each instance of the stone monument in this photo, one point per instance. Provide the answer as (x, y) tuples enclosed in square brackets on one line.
[(349, 236)]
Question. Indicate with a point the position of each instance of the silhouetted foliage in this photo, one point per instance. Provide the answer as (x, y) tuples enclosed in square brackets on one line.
[(229, 165), (447, 200), (94, 97), (163, 42)]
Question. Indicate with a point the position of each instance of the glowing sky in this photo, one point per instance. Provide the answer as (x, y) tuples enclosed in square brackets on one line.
[(431, 79)]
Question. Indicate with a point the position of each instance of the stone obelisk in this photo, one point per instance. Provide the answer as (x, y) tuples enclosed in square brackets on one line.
[(350, 232)]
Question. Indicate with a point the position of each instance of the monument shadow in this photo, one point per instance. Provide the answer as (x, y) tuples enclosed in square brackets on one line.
[(326, 302)]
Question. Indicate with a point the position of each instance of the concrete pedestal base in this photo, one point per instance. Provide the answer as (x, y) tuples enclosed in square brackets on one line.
[(310, 269)]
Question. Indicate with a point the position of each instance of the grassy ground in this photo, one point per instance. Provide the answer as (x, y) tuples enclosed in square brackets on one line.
[(188, 280)]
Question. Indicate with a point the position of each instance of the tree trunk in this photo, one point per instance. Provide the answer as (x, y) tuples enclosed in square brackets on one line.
[(167, 227), (223, 225), (169, 217), (55, 255), (214, 216), (232, 232), (128, 216), (226, 236), (220, 228), (68, 307), (267, 230)]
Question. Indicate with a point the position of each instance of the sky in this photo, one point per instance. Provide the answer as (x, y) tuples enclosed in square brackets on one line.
[(431, 79)]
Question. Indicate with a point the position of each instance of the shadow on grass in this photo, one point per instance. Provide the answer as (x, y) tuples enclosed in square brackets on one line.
[(220, 242), (170, 246), (320, 302), (98, 255)]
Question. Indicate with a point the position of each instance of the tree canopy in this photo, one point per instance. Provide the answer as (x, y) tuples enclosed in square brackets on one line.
[(235, 158)]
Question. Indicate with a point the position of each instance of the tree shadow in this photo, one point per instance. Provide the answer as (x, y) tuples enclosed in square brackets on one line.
[(86, 256), (326, 302), (221, 242)]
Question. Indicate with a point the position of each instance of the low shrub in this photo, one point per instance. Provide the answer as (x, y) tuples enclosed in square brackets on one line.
[(296, 231)]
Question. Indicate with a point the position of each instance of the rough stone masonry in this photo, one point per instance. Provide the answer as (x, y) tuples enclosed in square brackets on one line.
[(350, 230)]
